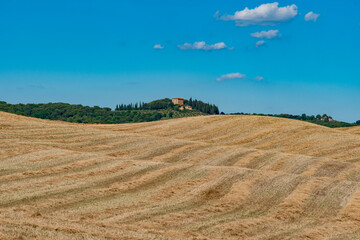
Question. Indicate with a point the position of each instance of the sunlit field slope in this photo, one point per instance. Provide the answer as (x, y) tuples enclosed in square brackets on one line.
[(354, 130), (206, 177)]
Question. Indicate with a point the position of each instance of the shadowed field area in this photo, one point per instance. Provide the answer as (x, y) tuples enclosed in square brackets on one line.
[(206, 177)]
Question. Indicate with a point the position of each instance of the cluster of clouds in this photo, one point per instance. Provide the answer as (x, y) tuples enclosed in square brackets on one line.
[(263, 15), (236, 75), (266, 34), (203, 46), (231, 76)]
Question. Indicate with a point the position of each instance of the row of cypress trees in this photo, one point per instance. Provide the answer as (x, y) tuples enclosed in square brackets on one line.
[(166, 103), (202, 107)]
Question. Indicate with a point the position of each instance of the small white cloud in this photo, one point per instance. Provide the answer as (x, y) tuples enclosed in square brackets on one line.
[(231, 76), (258, 78), (265, 14), (266, 34), (219, 45), (260, 43), (158, 46), (217, 14), (203, 46), (311, 16)]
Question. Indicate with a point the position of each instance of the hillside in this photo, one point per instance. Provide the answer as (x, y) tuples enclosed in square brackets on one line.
[(354, 130), (323, 120), (161, 109), (204, 177)]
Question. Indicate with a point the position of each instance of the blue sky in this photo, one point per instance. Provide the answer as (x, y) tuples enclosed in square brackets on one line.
[(102, 53)]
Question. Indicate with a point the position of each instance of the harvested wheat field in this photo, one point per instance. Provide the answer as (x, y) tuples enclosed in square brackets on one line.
[(208, 177)]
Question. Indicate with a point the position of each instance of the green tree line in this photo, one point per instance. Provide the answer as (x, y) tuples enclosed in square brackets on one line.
[(81, 114), (130, 113), (323, 119)]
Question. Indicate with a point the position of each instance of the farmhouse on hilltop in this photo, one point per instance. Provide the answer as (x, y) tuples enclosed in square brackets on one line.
[(178, 101)]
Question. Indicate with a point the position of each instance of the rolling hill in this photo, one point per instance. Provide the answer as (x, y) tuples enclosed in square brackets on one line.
[(160, 109), (204, 177)]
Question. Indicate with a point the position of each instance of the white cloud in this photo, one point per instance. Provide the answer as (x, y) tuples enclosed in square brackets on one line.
[(217, 14), (202, 46), (266, 34), (260, 43), (311, 16), (158, 46), (231, 76), (265, 14), (259, 78)]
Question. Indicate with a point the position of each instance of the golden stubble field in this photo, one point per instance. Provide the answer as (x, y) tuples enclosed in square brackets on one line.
[(208, 177)]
